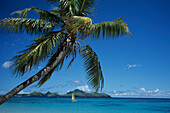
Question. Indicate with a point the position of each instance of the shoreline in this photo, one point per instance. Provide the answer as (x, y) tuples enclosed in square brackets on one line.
[(96, 97)]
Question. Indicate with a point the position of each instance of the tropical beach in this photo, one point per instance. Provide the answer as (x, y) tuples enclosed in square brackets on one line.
[(84, 56)]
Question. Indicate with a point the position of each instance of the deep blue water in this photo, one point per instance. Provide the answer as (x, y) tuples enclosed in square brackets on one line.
[(85, 105)]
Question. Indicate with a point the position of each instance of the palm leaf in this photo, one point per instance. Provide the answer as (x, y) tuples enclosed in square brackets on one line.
[(93, 68), (77, 24), (111, 28), (36, 52), (44, 15), (68, 8), (30, 26), (74, 7), (54, 1), (73, 52), (85, 7)]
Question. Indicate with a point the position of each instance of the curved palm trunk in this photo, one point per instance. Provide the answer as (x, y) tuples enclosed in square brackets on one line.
[(56, 59)]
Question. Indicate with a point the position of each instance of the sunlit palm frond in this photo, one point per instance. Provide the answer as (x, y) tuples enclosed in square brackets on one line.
[(36, 52), (68, 8), (30, 26), (92, 65), (111, 28), (44, 15), (78, 24), (55, 11), (23, 12)]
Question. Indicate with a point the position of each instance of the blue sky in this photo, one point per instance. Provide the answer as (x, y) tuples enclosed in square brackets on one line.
[(137, 66)]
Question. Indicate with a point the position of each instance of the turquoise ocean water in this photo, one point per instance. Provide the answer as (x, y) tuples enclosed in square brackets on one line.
[(85, 105)]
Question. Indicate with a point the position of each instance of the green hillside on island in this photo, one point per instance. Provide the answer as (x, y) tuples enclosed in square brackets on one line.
[(77, 93)]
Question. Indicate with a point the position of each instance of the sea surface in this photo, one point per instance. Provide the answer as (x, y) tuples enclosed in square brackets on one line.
[(85, 105)]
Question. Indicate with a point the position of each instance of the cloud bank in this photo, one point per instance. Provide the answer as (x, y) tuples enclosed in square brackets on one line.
[(142, 92)]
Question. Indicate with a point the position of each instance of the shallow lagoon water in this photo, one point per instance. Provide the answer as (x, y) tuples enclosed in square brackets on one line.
[(85, 105)]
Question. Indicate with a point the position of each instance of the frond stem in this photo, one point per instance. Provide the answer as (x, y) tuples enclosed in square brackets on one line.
[(83, 41)]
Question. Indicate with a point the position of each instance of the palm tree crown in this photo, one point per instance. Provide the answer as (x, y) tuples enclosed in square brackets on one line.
[(69, 20)]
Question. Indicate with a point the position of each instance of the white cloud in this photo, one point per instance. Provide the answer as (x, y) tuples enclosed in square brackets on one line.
[(132, 66), (84, 88), (7, 64), (23, 92), (143, 89), (114, 91), (77, 81), (142, 92), (157, 90), (121, 94), (154, 91), (2, 92)]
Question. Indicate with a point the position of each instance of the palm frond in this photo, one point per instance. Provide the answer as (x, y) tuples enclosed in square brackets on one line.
[(23, 12), (55, 10), (92, 65), (73, 52), (74, 7), (85, 7), (111, 28), (54, 1), (36, 52), (44, 15), (77, 24), (30, 26), (68, 7)]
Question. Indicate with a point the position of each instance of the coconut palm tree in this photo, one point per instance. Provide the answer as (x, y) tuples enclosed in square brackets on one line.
[(58, 34)]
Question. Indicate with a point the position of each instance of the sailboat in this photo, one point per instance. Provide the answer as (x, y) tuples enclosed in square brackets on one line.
[(73, 97)]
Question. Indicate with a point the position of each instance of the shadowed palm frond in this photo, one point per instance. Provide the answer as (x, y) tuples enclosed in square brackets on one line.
[(36, 52), (73, 52), (30, 26), (54, 1), (92, 65), (85, 7), (111, 28), (44, 15), (74, 7)]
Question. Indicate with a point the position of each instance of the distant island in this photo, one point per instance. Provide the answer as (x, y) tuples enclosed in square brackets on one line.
[(77, 93)]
